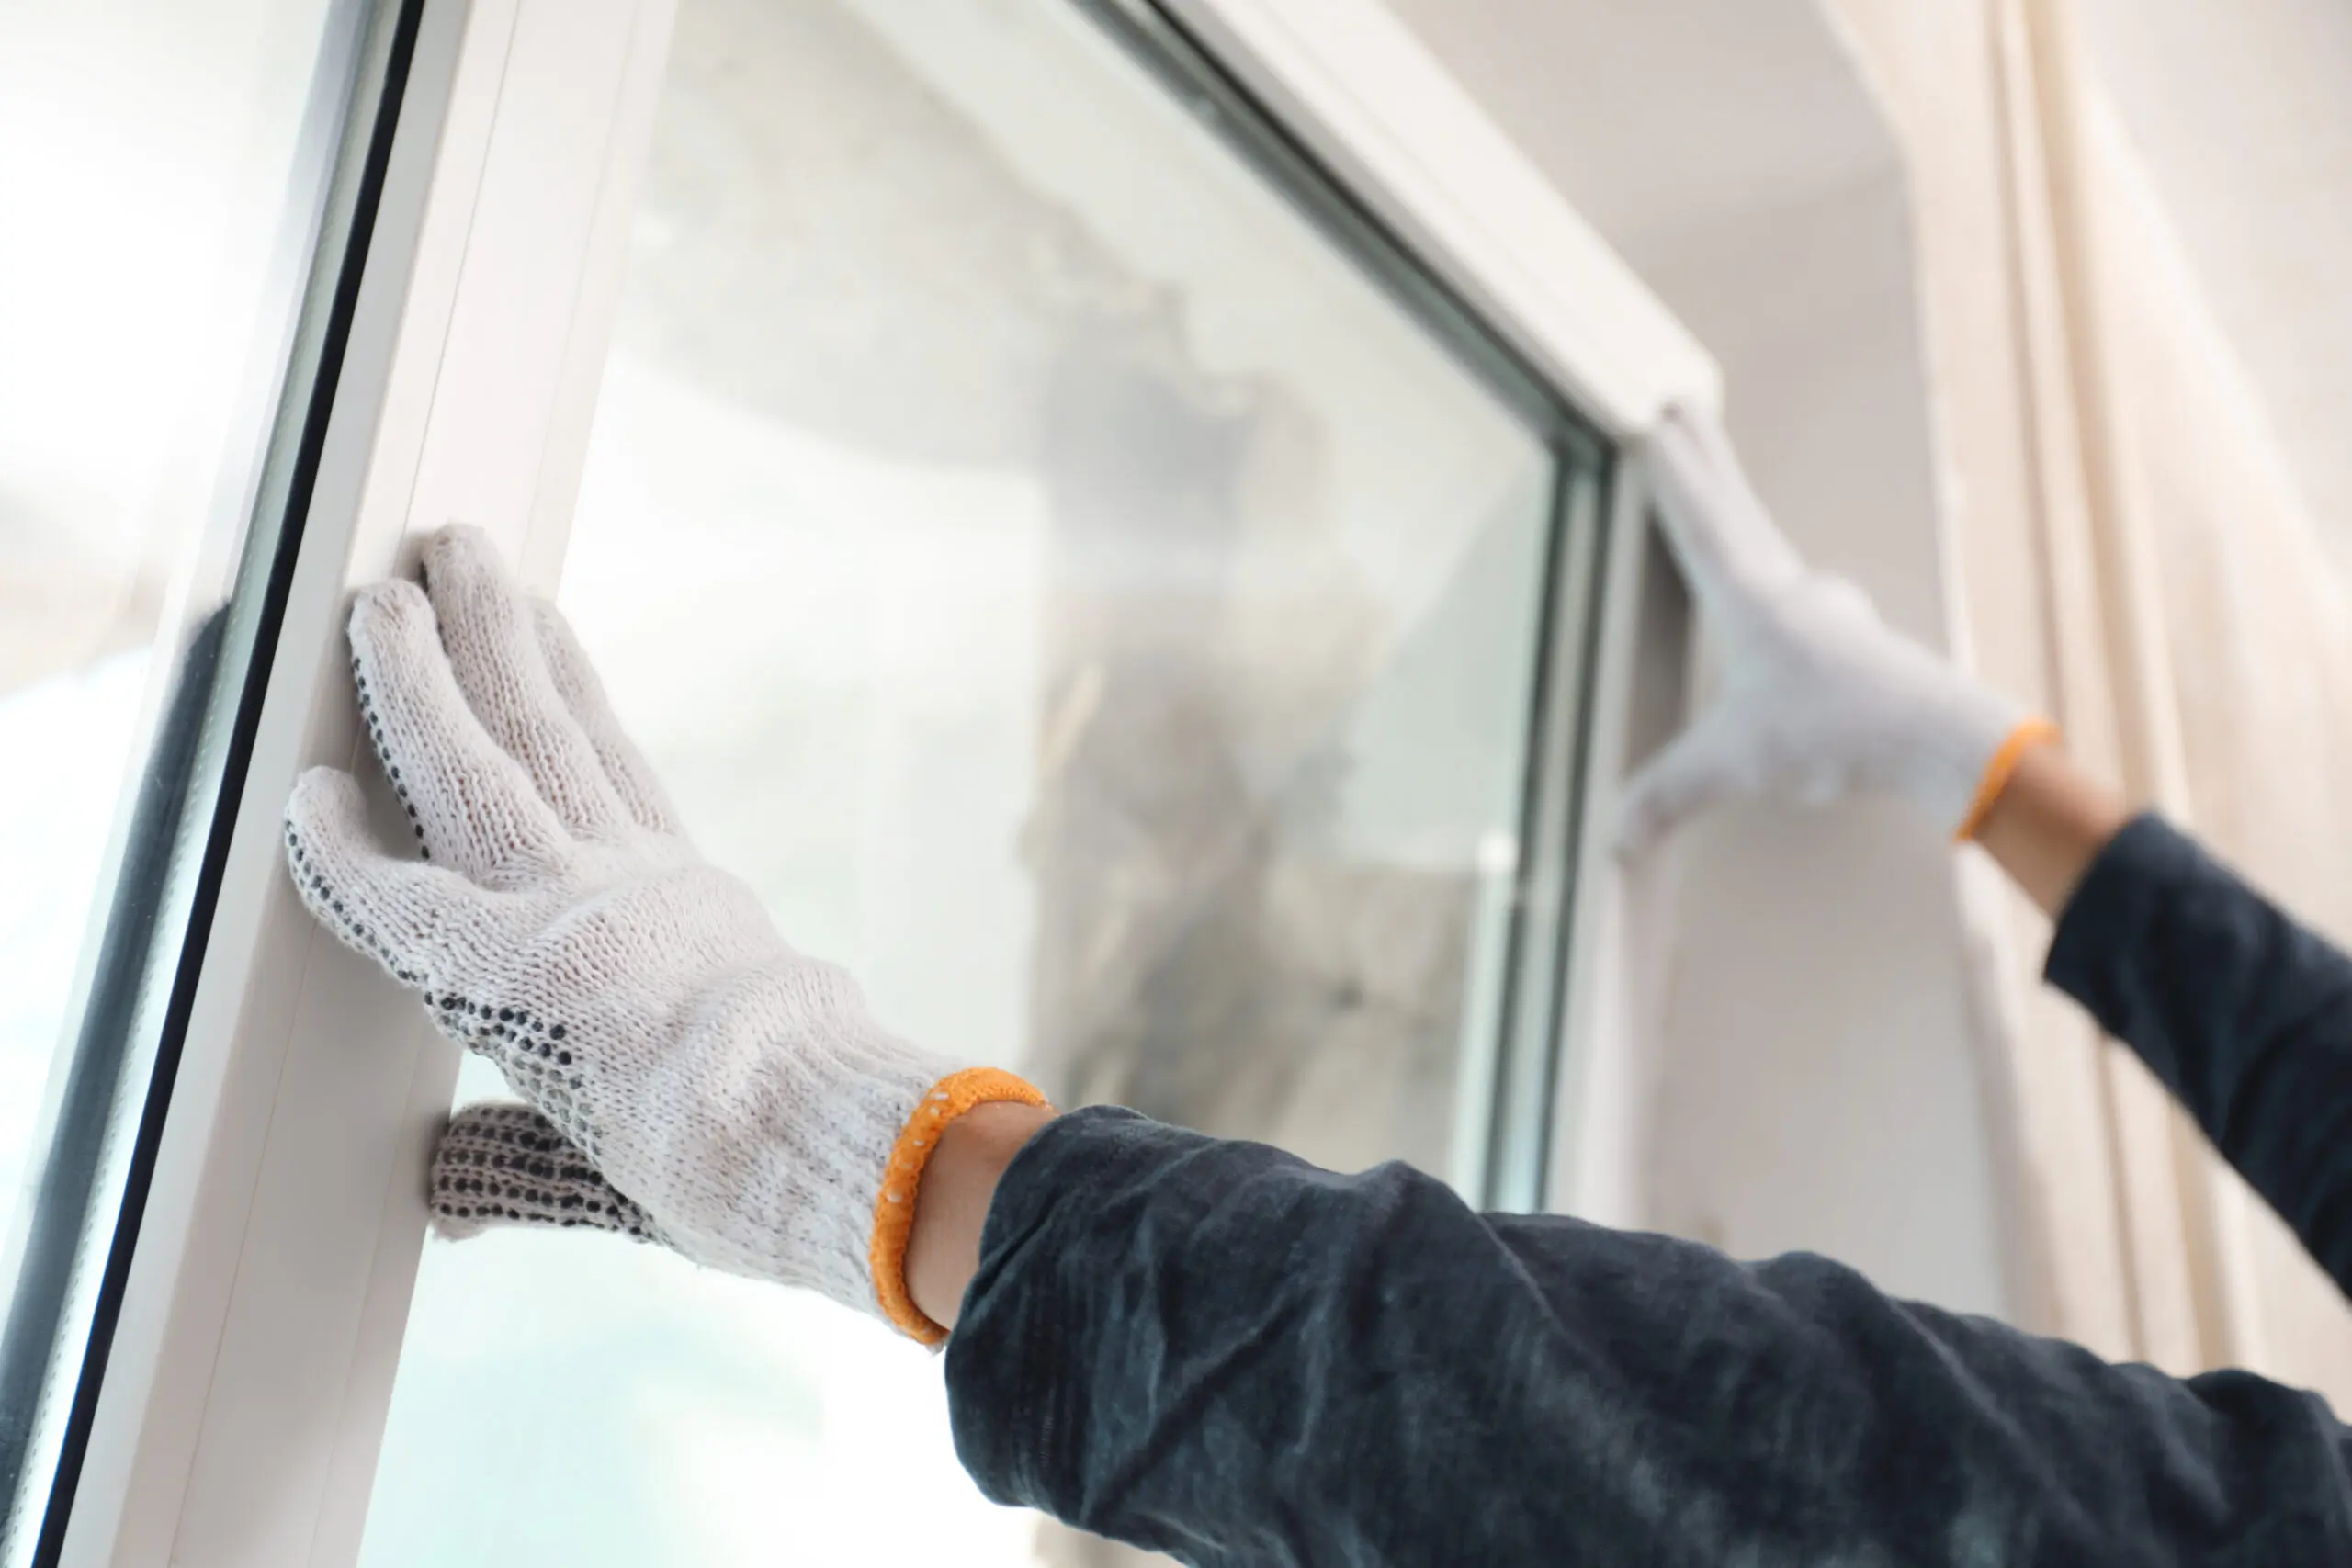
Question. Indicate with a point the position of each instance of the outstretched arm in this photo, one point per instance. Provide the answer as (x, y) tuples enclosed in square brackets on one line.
[(2245, 1015), (1198, 1345)]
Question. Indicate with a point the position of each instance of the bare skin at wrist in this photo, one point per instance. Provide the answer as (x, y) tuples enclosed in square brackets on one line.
[(959, 1182), (2049, 824)]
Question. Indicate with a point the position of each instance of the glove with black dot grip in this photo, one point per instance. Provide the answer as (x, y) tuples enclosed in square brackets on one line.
[(506, 1165), (740, 1093)]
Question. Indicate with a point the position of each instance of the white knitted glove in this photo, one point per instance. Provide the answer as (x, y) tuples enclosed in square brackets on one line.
[(740, 1093), (1820, 700)]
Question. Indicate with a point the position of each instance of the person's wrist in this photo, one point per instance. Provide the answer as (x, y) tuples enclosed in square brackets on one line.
[(951, 1207), (2023, 736), (921, 1207), (2048, 823)]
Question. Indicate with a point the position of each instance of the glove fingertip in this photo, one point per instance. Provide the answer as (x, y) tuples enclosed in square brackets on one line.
[(463, 567), (323, 796), (326, 818), (465, 544), (382, 607), (1640, 826), (1672, 790)]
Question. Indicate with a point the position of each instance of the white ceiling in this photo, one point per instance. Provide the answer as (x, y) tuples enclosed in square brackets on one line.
[(2242, 114), (1774, 118)]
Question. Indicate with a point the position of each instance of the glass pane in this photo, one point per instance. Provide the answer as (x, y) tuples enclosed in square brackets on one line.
[(1079, 599), (165, 168)]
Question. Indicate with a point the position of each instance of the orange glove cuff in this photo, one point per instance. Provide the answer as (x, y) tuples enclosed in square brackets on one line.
[(2023, 738), (894, 1206)]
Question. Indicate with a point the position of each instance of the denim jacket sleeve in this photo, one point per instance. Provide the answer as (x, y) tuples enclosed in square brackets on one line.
[(2245, 1015)]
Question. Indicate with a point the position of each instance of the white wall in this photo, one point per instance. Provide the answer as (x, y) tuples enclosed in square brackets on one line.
[(1814, 1070)]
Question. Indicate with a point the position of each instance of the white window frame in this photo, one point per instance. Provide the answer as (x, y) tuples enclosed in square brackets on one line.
[(252, 1361)]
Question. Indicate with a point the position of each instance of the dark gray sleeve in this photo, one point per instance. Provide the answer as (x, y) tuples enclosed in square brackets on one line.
[(2245, 1015), (1213, 1349)]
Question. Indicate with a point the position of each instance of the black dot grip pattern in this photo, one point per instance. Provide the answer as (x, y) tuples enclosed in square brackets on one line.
[(392, 769), (533, 1051), (326, 902), (508, 1164)]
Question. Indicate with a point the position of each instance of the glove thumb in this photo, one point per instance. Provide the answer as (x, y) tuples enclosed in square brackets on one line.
[(1712, 762), (506, 1165)]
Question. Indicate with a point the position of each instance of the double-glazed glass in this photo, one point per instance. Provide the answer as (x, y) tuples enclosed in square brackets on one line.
[(178, 179), (1082, 597)]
